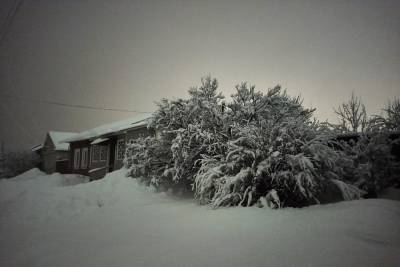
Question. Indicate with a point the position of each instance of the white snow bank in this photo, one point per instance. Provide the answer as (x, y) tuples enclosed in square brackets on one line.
[(32, 173), (27, 197), (115, 221)]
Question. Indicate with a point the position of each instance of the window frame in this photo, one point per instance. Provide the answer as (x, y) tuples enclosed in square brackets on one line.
[(93, 149), (117, 149), (130, 141), (77, 158), (84, 157), (105, 153)]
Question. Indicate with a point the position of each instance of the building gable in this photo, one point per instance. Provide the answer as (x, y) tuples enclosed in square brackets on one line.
[(48, 143)]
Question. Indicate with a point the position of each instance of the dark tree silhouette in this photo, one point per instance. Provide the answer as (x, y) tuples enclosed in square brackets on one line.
[(352, 115)]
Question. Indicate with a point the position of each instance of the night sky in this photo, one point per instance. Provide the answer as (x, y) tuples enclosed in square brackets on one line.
[(128, 54)]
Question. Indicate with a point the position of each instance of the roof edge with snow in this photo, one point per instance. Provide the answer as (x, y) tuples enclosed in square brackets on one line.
[(58, 139), (110, 129)]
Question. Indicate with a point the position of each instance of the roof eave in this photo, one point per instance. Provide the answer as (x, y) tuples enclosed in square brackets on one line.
[(110, 134)]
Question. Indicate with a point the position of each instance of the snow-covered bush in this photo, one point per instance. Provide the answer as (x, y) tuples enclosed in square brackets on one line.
[(260, 148), (147, 158), (186, 130), (275, 152)]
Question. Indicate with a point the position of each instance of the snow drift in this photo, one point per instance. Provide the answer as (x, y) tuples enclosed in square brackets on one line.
[(46, 221)]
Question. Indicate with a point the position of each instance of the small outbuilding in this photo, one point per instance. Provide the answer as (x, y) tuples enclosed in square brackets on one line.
[(54, 153)]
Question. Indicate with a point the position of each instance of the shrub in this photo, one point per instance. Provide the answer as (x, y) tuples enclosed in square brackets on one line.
[(260, 148)]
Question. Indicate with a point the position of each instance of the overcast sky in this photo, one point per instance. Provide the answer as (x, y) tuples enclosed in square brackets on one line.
[(128, 54)]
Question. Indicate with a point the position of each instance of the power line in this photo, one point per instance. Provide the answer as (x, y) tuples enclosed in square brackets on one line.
[(71, 105)]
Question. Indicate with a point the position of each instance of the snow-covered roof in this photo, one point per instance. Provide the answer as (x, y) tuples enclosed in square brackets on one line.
[(37, 147), (110, 129), (58, 139), (98, 141)]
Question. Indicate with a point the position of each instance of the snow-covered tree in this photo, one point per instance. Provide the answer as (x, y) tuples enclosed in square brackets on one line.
[(259, 148), (373, 164), (352, 115), (148, 159), (275, 151), (390, 120), (393, 114), (187, 129)]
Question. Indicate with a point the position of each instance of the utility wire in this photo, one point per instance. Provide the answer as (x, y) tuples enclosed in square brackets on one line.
[(71, 105)]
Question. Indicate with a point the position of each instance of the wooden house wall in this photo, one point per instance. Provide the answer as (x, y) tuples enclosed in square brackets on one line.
[(49, 161), (97, 168), (62, 161), (62, 155), (63, 167)]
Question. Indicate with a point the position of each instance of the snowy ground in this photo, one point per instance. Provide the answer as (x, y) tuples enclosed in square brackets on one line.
[(55, 220)]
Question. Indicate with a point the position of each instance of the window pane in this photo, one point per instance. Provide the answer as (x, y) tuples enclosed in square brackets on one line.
[(120, 149), (103, 153), (76, 158), (96, 153), (84, 158)]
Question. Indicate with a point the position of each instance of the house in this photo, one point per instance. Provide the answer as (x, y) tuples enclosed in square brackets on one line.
[(54, 152), (100, 150)]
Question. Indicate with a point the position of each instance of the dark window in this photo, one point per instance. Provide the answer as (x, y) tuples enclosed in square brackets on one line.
[(120, 149), (103, 153), (77, 154), (95, 153), (84, 158)]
